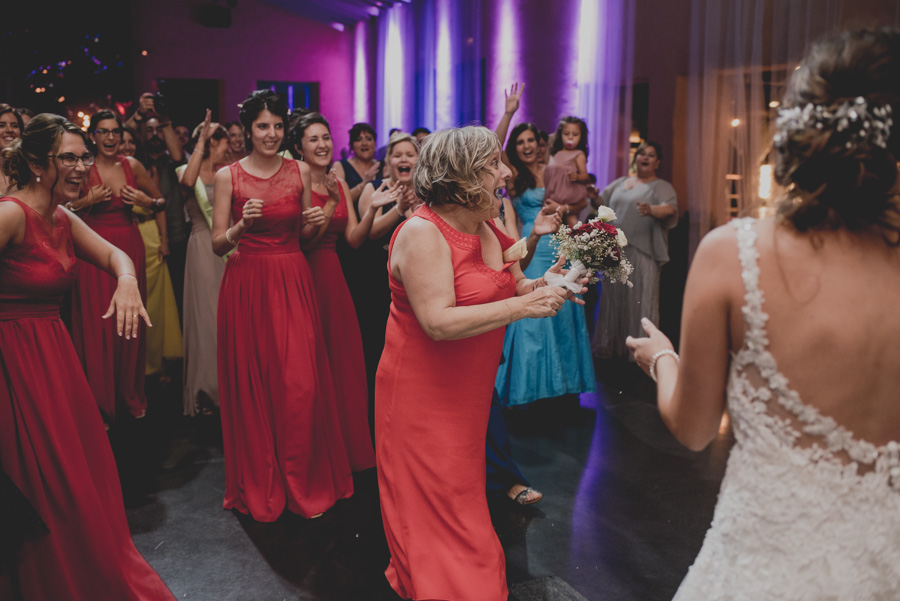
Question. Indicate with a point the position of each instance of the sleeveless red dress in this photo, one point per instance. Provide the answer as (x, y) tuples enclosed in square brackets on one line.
[(114, 366), (342, 337), (432, 400), (52, 441), (280, 425)]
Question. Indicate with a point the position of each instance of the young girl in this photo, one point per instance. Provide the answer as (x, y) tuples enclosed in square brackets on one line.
[(566, 175)]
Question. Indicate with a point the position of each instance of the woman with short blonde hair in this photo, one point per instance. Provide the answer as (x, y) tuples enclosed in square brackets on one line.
[(455, 285)]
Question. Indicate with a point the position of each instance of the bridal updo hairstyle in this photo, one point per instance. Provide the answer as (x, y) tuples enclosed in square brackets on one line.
[(451, 164), (41, 138), (257, 102), (838, 176)]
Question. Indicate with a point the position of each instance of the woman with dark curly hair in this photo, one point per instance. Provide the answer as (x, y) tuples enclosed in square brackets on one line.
[(280, 426), (791, 323)]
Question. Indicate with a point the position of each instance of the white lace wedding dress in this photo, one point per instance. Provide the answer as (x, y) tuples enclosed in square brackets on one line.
[(806, 510)]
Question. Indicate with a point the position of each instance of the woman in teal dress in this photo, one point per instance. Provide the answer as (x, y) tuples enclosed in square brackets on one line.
[(550, 357)]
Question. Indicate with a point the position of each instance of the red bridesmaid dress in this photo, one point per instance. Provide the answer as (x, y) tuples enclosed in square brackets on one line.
[(432, 401), (280, 425), (52, 441), (114, 366), (342, 337)]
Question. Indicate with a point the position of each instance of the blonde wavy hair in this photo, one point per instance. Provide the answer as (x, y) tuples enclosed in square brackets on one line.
[(451, 164)]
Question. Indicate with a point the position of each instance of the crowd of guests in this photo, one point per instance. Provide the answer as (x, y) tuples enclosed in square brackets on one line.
[(310, 299)]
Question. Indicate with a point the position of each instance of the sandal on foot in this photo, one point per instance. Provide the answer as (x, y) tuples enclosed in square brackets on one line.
[(526, 496)]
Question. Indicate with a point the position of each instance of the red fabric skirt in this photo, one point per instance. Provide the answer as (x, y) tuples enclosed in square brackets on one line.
[(280, 425), (114, 366), (345, 352), (54, 448)]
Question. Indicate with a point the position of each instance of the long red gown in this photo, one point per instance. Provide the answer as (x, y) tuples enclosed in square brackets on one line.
[(52, 441), (432, 401), (280, 426), (342, 337), (114, 366)]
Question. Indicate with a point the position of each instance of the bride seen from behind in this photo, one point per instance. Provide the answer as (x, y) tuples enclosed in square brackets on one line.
[(791, 323)]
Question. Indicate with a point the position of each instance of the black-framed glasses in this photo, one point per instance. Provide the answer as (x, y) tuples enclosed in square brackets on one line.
[(70, 159), (102, 132)]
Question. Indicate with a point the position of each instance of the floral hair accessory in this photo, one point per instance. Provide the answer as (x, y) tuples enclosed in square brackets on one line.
[(859, 122)]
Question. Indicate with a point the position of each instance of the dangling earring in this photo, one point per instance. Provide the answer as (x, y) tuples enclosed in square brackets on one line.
[(38, 178)]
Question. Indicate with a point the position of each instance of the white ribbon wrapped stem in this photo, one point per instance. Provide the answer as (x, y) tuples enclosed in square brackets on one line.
[(569, 281)]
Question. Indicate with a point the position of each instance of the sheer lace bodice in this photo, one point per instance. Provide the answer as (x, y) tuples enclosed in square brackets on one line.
[(806, 509)]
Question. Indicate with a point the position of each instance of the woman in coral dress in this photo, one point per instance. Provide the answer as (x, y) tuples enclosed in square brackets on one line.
[(310, 138), (115, 366), (281, 431), (52, 442), (455, 285)]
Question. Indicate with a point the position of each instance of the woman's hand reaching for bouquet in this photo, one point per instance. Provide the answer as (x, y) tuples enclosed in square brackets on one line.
[(546, 222), (556, 272)]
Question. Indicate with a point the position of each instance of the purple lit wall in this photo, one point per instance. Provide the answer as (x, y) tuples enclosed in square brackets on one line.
[(443, 63), (263, 43)]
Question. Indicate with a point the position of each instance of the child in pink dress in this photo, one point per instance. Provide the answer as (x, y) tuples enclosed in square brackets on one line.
[(566, 176)]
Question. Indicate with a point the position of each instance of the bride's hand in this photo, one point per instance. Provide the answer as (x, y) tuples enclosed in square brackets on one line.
[(644, 348)]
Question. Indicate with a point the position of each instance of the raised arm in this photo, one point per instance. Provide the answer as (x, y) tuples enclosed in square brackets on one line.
[(189, 176), (510, 108)]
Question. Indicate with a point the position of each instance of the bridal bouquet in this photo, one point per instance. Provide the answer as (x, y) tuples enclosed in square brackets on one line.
[(593, 248)]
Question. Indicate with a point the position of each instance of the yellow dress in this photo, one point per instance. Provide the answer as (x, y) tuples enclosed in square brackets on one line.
[(164, 338)]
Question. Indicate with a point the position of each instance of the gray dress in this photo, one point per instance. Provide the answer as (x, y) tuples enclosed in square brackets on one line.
[(621, 308), (202, 277)]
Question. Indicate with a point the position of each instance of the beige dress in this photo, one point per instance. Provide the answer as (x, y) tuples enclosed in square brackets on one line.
[(202, 277)]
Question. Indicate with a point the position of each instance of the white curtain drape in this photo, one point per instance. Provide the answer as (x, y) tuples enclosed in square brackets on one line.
[(605, 79), (741, 55)]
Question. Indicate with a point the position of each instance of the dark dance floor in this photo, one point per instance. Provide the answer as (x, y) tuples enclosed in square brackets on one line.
[(624, 512)]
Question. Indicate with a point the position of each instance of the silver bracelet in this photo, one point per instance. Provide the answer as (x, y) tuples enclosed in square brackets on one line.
[(399, 212), (655, 358), (228, 237)]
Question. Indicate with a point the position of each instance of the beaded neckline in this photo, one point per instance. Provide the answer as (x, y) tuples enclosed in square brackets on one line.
[(470, 243)]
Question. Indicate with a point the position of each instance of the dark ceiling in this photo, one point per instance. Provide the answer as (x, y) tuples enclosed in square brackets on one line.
[(346, 12)]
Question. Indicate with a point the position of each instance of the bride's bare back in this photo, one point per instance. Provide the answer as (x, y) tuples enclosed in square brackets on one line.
[(834, 323)]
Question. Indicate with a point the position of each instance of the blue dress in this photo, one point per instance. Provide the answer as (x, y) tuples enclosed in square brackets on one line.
[(550, 357)]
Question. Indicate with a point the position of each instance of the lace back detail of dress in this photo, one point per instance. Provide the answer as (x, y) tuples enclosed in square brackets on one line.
[(766, 411)]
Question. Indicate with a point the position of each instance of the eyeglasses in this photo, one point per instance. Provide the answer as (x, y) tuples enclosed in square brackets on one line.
[(102, 132), (70, 160)]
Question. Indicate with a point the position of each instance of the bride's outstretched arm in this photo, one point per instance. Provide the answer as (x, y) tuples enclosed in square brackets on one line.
[(691, 389)]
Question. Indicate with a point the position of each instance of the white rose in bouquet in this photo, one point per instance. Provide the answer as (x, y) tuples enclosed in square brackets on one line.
[(605, 214), (621, 240)]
